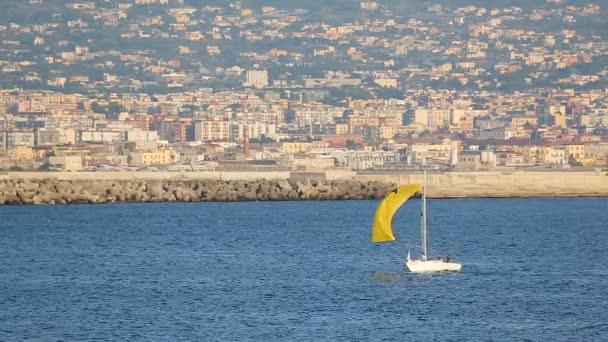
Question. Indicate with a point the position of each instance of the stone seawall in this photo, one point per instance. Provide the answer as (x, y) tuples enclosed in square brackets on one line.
[(52, 191)]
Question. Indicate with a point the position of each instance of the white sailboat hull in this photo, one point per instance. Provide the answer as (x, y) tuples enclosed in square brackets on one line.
[(422, 266)]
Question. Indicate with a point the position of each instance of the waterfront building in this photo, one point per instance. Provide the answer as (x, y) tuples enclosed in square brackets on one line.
[(66, 162)]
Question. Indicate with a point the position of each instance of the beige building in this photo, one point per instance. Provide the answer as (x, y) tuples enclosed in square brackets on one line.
[(55, 136), (445, 152), (17, 138), (67, 163), (522, 120), (560, 120), (597, 154), (552, 156), (256, 78), (316, 162)]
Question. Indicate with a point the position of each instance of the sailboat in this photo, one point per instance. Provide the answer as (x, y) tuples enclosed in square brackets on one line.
[(382, 229)]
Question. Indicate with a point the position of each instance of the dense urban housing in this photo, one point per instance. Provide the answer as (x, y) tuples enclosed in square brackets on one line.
[(388, 85)]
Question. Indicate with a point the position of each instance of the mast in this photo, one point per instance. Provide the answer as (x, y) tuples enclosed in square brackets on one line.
[(423, 222)]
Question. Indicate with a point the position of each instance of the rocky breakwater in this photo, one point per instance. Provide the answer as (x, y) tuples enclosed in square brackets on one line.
[(15, 191)]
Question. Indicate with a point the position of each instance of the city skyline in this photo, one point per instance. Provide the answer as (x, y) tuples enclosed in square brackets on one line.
[(123, 85)]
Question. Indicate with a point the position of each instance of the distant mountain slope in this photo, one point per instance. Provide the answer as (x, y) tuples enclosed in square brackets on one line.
[(354, 4)]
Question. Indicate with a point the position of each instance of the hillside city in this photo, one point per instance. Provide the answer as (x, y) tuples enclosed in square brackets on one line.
[(179, 85)]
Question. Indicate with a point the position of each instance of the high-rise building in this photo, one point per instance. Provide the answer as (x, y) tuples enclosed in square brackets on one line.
[(212, 130), (256, 78)]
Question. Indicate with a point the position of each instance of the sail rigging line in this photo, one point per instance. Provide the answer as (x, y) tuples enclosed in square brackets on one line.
[(423, 224)]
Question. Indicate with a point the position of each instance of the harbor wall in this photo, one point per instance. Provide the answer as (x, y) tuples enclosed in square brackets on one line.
[(504, 183), (103, 187)]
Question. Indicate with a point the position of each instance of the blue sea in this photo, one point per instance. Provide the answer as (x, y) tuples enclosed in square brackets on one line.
[(534, 270)]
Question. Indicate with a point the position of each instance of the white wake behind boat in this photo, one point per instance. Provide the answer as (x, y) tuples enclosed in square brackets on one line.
[(382, 230)]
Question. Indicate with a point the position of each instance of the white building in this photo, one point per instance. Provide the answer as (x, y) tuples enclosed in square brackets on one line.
[(476, 160), (444, 153), (212, 130), (100, 136), (361, 160), (137, 136), (20, 138), (255, 130), (500, 133)]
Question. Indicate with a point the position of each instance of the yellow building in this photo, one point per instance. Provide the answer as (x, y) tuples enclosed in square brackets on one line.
[(246, 12), (551, 155), (342, 128), (559, 120), (386, 132), (360, 121), (386, 82), (577, 151), (443, 68), (20, 153), (159, 156), (296, 147)]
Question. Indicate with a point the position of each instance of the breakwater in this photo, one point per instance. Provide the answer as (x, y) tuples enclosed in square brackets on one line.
[(107, 187), (52, 191)]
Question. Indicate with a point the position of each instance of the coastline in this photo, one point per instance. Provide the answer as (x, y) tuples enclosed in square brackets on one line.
[(110, 187)]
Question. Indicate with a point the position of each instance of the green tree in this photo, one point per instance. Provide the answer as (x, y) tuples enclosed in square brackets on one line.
[(97, 108), (573, 161), (44, 167), (12, 109), (115, 108), (351, 144)]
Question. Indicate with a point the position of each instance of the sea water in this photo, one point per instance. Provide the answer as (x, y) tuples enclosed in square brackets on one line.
[(534, 270)]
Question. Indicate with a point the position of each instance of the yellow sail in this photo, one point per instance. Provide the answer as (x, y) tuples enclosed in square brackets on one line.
[(382, 230)]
